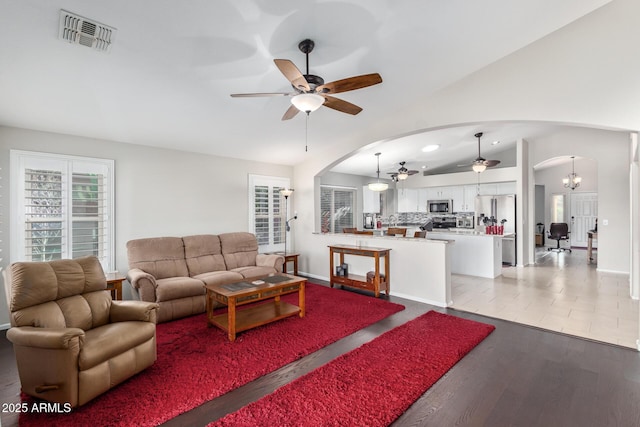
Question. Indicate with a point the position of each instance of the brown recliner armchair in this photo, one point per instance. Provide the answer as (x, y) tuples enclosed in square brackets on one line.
[(71, 341)]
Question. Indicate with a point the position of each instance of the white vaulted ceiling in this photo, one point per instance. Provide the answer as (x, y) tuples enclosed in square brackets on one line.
[(167, 78)]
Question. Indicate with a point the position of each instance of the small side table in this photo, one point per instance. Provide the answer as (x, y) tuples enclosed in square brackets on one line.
[(287, 259), (114, 284)]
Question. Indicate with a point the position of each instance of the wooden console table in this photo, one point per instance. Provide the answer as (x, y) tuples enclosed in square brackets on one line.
[(358, 281)]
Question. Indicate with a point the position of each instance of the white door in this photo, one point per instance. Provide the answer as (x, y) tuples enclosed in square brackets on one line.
[(584, 211)]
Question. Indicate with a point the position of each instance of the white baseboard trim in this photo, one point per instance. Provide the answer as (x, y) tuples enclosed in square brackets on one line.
[(601, 270), (313, 276), (422, 300), (5, 326), (638, 344)]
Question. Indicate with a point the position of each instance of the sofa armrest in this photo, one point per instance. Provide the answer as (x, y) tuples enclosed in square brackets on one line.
[(270, 260), (144, 283), (141, 311), (51, 338)]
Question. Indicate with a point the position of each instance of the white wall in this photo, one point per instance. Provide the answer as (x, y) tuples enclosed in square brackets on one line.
[(159, 192), (585, 73)]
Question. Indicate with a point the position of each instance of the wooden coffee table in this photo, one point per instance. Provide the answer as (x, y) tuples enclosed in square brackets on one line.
[(247, 291)]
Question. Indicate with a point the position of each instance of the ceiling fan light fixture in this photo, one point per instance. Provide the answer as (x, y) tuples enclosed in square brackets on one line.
[(307, 102), (479, 167), (402, 176)]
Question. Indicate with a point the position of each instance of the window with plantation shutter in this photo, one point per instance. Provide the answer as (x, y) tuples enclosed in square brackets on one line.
[(337, 208), (267, 211), (64, 207)]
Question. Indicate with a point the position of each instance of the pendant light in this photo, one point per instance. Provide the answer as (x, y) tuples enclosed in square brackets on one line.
[(378, 185)]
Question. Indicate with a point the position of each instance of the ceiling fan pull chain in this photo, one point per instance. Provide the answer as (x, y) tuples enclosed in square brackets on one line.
[(306, 133)]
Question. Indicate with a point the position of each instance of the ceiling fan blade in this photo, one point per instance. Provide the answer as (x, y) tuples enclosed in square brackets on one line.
[(290, 113), (350, 83), (251, 95), (292, 73), (412, 172), (491, 163), (340, 105)]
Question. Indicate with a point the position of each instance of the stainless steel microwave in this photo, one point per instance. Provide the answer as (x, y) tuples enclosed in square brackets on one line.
[(440, 206)]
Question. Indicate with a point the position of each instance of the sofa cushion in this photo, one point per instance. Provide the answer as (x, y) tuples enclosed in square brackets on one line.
[(239, 249), (254, 271), (203, 254), (178, 287), (161, 257), (105, 342), (219, 277)]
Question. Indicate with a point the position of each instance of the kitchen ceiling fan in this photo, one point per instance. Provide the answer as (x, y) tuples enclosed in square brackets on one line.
[(402, 174), (480, 163), (311, 92)]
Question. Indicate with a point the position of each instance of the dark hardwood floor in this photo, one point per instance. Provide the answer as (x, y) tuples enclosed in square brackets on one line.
[(518, 376)]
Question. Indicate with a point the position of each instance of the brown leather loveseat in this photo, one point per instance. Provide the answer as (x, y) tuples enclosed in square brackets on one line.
[(172, 271), (71, 341)]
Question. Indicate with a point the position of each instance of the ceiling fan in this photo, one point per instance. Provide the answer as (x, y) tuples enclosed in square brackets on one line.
[(311, 92), (402, 174), (480, 163)]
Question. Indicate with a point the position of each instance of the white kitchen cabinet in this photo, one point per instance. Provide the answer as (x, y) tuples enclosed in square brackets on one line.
[(439, 193), (408, 200), (370, 200), (422, 200), (488, 189), (506, 187), (470, 193), (456, 193)]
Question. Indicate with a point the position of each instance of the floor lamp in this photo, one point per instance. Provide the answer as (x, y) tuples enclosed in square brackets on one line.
[(286, 193)]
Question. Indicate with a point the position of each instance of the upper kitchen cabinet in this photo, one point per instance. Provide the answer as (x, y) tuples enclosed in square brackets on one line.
[(408, 200), (506, 187), (439, 193), (370, 200), (495, 188)]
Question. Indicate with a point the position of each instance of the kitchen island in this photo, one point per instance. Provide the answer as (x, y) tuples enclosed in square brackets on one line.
[(475, 253), (421, 267)]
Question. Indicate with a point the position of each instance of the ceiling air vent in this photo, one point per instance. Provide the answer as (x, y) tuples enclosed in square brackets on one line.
[(79, 30)]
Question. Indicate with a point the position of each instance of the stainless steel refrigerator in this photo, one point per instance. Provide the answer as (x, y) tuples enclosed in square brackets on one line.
[(496, 209)]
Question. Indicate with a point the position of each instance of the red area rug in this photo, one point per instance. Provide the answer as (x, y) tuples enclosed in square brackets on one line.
[(373, 384), (197, 363)]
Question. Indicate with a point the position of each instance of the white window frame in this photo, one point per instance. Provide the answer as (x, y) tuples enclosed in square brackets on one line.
[(22, 160), (271, 182)]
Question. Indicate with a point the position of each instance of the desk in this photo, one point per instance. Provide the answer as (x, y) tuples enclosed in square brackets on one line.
[(591, 235), (379, 281), (114, 284)]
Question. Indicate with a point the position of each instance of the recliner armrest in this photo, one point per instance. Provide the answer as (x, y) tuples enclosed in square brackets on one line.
[(270, 260), (124, 311), (52, 338)]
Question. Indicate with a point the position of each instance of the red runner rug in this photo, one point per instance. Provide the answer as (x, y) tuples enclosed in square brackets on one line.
[(197, 363), (373, 384)]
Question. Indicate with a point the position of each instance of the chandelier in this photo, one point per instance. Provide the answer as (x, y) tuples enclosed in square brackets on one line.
[(572, 180)]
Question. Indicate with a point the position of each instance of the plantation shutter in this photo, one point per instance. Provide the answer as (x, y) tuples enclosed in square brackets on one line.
[(337, 207), (267, 216), (64, 207)]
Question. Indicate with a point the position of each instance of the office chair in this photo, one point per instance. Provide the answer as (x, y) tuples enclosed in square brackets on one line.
[(558, 231)]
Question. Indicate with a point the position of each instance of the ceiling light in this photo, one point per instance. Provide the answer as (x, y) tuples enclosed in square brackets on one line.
[(378, 186), (479, 167), (495, 143), (429, 148), (402, 176), (307, 102), (572, 180)]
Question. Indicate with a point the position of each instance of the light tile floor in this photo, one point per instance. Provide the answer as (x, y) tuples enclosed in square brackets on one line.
[(561, 292)]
